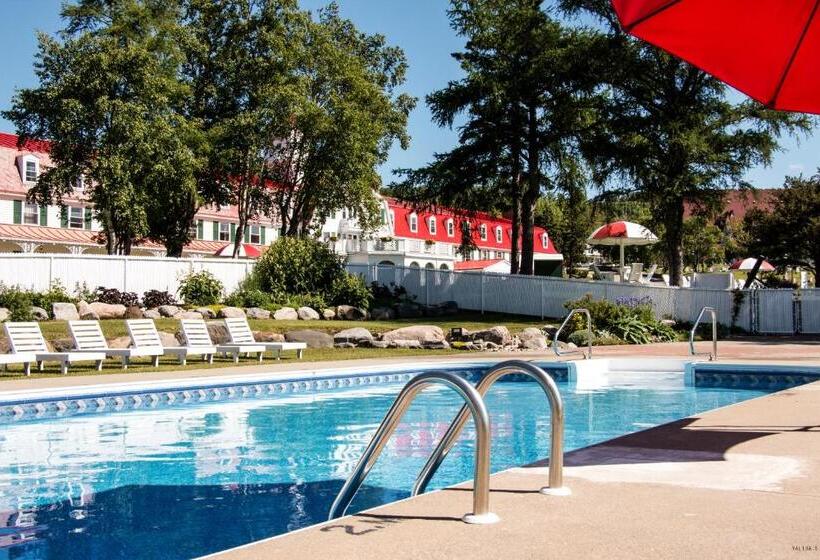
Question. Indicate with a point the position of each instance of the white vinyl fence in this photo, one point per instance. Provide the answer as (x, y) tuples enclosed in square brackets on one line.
[(130, 274), (762, 311)]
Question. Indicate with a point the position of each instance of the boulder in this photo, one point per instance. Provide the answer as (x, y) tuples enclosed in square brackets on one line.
[(231, 313), (169, 310), (382, 314), (356, 335), (344, 345), (151, 314), (350, 313), (328, 314), (399, 343), (285, 314), (437, 345), (107, 310), (497, 335), (408, 310), (379, 344), (134, 312), (669, 322), (206, 312), (421, 333), (189, 315), (5, 345), (313, 339), (64, 312), (307, 314), (63, 344), (219, 332), (267, 336), (549, 331), (257, 313), (533, 339), (567, 345), (120, 342), (168, 339), (85, 312), (38, 313), (4, 314)]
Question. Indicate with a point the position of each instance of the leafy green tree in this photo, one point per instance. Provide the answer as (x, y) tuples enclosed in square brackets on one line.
[(789, 233), (107, 100), (668, 130), (568, 219), (702, 243)]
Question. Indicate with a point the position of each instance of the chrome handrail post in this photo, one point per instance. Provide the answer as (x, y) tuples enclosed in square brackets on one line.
[(474, 404), (558, 351), (556, 403), (711, 310)]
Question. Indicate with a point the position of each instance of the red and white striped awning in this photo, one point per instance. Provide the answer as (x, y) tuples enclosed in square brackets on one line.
[(246, 251), (749, 264), (622, 233)]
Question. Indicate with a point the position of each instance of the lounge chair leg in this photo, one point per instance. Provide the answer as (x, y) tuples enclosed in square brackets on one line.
[(299, 353), (27, 368), (40, 366), (236, 357), (99, 365), (183, 360), (125, 362), (261, 356), (210, 358), (278, 355), (64, 368), (155, 361)]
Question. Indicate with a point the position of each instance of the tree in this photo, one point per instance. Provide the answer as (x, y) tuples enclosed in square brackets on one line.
[(568, 219), (789, 233), (525, 99), (668, 130), (107, 101), (702, 243)]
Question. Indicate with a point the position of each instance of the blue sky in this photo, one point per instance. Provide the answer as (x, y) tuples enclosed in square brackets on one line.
[(420, 27)]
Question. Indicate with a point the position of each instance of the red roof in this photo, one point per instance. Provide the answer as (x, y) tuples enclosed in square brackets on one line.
[(401, 228), (10, 141), (737, 202), (476, 265)]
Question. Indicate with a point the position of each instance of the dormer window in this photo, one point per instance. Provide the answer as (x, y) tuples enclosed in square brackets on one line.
[(451, 228), (431, 225), (482, 231), (79, 184), (545, 240), (499, 234), (414, 223), (29, 168)]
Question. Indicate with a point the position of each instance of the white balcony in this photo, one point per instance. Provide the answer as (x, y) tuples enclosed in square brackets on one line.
[(399, 246)]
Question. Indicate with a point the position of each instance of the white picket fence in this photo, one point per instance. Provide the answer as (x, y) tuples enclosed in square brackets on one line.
[(131, 274), (763, 311)]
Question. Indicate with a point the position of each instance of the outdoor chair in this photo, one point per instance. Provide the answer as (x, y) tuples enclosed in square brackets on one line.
[(144, 335), (647, 277), (14, 357), (27, 339), (635, 273), (240, 333), (88, 336), (197, 341), (199, 335)]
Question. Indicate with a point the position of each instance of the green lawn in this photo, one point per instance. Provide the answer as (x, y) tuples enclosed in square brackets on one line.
[(114, 328)]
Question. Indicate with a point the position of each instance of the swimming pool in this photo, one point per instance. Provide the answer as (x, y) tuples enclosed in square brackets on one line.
[(183, 481)]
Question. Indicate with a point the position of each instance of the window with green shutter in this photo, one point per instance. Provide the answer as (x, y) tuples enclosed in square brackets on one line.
[(262, 235), (87, 218), (200, 229), (216, 231), (18, 212), (64, 217), (233, 232), (43, 215)]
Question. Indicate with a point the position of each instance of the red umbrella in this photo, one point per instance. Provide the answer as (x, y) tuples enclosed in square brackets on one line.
[(245, 251), (768, 49), (749, 264)]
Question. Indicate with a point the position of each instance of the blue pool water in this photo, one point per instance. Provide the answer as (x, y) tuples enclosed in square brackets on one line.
[(187, 481)]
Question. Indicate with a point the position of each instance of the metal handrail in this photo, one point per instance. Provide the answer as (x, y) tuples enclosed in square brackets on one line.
[(714, 355), (556, 466), (558, 351), (474, 402)]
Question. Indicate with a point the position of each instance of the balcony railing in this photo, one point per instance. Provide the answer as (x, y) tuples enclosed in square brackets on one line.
[(404, 246)]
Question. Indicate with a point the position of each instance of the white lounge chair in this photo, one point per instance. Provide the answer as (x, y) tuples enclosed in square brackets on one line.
[(88, 336), (144, 335), (240, 333), (635, 272), (197, 340), (646, 278), (202, 336), (15, 357), (27, 338)]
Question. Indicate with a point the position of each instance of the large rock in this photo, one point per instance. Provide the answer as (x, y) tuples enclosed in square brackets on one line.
[(313, 339), (382, 314), (219, 332), (497, 335), (64, 344), (134, 312), (328, 314), (64, 312), (356, 335), (421, 333), (231, 313), (86, 312), (267, 336), (350, 313), (533, 339), (38, 313), (285, 314), (107, 310), (168, 339), (307, 314), (257, 313), (4, 314), (405, 343), (206, 312), (120, 342), (169, 310), (189, 315), (151, 314)]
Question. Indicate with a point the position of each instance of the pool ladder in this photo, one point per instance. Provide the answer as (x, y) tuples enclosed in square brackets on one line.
[(558, 351), (473, 406), (714, 354)]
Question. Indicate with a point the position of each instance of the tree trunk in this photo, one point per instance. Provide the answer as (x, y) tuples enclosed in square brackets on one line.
[(515, 237), (531, 192), (674, 241), (750, 278)]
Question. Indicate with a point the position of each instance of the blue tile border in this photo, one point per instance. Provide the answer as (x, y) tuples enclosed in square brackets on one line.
[(757, 377)]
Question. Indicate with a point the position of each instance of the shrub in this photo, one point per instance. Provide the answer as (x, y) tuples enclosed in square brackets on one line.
[(83, 293), (388, 296), (17, 301), (349, 289), (155, 298), (629, 320), (579, 338), (632, 330), (114, 296), (200, 288), (55, 294), (314, 301), (248, 297), (293, 266)]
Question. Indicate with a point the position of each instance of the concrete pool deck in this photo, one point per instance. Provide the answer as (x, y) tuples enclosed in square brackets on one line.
[(740, 481)]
